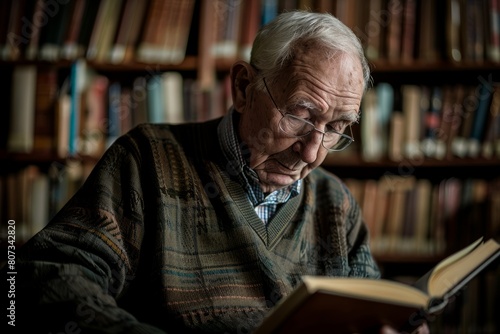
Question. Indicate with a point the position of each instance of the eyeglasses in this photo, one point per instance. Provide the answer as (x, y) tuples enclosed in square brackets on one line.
[(298, 127)]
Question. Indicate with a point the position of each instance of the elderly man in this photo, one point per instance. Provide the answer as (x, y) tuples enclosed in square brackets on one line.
[(203, 227)]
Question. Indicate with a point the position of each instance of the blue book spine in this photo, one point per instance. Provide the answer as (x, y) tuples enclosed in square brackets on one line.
[(74, 117), (485, 94), (269, 11), (114, 111), (156, 112)]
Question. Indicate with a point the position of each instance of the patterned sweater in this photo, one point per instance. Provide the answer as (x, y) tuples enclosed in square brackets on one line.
[(162, 239)]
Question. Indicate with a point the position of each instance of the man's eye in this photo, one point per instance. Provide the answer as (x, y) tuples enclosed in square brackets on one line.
[(300, 112), (337, 126)]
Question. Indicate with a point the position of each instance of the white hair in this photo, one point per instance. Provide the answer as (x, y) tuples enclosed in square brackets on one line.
[(276, 43)]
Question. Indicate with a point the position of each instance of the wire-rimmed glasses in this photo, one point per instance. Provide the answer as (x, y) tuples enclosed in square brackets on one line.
[(297, 127)]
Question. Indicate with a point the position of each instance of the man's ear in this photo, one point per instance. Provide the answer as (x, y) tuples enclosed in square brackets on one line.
[(242, 74)]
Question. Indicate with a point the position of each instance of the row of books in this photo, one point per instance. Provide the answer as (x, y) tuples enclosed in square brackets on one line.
[(31, 196), (395, 31), (164, 31), (83, 113), (125, 31), (112, 31), (411, 121), (406, 215), (429, 31)]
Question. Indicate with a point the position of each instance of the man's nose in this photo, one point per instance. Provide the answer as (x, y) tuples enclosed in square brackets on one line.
[(310, 146)]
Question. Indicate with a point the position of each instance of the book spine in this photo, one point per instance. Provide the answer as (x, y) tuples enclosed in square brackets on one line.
[(45, 106), (78, 78), (22, 113)]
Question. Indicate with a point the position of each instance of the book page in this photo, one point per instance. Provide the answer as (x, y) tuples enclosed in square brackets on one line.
[(447, 279), (456, 256), (371, 289)]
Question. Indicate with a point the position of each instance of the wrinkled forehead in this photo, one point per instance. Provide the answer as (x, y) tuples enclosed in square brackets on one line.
[(339, 75), (320, 61)]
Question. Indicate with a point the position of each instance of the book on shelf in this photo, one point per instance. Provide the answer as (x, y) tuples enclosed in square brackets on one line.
[(166, 31), (374, 31), (13, 41), (155, 105), (380, 213), (181, 26), (325, 6), (128, 31), (411, 95), (4, 24), (22, 113), (385, 104), (473, 31), (139, 101), (493, 49), (485, 92), (345, 10), (102, 39), (62, 111), (408, 36), (451, 118), (85, 33), (35, 28), (250, 23), (422, 215), (53, 33), (227, 18), (399, 208), (396, 136), (491, 140), (95, 117), (172, 84), (394, 30), (269, 10), (69, 48), (114, 112), (371, 131), (77, 83), (369, 205), (459, 142), (356, 305), (45, 104), (454, 22), (427, 39), (444, 131)]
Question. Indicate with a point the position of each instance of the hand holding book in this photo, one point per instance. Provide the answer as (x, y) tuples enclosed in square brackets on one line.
[(357, 305)]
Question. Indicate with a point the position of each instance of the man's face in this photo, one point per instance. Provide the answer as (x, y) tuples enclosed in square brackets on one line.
[(326, 92)]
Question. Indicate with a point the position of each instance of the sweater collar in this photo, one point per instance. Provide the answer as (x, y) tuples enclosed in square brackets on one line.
[(237, 166)]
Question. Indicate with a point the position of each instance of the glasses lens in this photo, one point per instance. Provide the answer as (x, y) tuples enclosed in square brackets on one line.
[(337, 144), (295, 126), (335, 141)]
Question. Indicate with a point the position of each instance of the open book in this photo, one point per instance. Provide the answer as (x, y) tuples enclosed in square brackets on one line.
[(355, 305)]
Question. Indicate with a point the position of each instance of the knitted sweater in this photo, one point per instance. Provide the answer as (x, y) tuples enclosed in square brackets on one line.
[(161, 238)]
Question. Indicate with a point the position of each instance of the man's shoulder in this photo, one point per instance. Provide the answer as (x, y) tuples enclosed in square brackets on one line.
[(320, 174), (323, 180)]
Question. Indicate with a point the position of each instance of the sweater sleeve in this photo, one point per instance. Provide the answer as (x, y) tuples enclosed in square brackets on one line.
[(70, 275)]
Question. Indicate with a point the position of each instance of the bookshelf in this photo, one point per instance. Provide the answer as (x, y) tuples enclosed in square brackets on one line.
[(408, 42)]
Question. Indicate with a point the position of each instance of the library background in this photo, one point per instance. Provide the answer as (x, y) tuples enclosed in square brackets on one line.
[(425, 164)]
